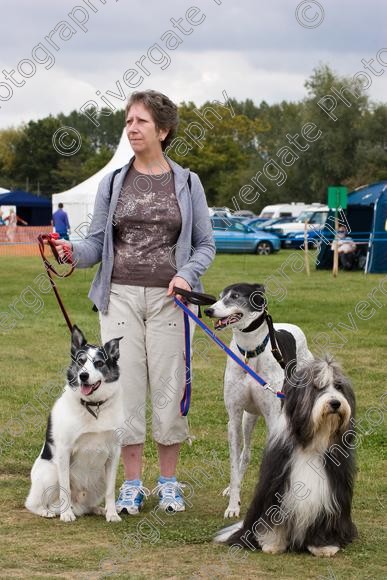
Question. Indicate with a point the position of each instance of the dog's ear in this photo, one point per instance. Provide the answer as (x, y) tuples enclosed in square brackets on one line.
[(112, 348), (77, 339), (259, 288)]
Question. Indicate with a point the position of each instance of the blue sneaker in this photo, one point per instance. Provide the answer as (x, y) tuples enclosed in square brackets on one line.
[(170, 493), (131, 497)]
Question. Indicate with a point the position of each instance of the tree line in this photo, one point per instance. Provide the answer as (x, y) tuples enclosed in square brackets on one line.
[(255, 154)]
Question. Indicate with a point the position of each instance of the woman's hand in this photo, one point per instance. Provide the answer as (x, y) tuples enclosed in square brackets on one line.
[(180, 283), (60, 246)]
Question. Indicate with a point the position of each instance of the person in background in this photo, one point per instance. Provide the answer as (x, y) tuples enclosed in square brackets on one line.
[(346, 248), (60, 222), (13, 220)]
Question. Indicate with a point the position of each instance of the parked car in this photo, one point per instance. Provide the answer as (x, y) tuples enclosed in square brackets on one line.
[(222, 223), (220, 211), (236, 237), (246, 213), (314, 217), (264, 224), (296, 239), (279, 210)]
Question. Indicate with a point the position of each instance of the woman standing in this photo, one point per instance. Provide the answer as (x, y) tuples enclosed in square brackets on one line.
[(153, 234)]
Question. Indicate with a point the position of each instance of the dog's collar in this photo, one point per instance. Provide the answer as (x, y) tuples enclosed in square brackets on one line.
[(89, 404), (252, 353), (256, 323)]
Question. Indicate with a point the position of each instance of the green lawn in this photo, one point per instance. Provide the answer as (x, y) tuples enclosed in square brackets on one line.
[(34, 354)]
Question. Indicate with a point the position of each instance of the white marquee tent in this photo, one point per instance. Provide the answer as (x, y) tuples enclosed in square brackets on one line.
[(79, 200)]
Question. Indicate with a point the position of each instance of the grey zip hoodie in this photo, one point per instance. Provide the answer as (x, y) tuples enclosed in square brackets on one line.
[(195, 247)]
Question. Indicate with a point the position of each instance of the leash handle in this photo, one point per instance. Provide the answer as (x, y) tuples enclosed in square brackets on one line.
[(224, 347), (68, 256), (197, 298)]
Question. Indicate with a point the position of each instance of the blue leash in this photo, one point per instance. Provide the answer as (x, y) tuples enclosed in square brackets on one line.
[(184, 404)]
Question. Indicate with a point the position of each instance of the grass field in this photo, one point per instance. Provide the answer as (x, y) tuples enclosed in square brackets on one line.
[(35, 353)]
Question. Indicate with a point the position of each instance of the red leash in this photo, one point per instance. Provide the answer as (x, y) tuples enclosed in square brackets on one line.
[(52, 271)]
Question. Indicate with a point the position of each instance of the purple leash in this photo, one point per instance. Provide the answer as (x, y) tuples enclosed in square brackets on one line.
[(184, 406)]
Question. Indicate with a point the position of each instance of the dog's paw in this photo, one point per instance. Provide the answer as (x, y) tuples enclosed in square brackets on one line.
[(45, 513), (226, 491), (113, 517), (324, 551), (67, 516), (232, 512)]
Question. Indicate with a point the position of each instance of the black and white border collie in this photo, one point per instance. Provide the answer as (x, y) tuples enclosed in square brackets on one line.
[(77, 466), (303, 497)]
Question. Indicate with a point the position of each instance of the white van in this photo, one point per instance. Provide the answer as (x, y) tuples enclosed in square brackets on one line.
[(283, 210), (314, 215)]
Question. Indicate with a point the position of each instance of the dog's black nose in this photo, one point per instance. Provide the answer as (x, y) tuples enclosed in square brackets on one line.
[(335, 404), (209, 311), (84, 377)]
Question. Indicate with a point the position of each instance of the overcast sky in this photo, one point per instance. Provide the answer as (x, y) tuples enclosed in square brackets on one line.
[(250, 49)]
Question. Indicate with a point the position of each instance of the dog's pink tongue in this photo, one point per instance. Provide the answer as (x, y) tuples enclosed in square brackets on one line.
[(86, 389)]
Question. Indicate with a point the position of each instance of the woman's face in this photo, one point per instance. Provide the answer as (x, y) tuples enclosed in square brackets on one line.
[(141, 130)]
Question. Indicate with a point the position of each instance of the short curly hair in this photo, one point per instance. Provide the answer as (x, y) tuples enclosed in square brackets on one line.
[(164, 112)]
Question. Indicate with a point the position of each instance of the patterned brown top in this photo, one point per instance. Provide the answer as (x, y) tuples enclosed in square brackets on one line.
[(147, 224)]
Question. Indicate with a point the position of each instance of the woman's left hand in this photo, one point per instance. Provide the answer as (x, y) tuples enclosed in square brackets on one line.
[(180, 283)]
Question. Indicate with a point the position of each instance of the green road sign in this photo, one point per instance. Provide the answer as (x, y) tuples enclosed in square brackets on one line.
[(337, 197)]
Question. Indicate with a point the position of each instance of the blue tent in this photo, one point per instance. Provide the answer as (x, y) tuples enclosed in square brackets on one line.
[(37, 211), (367, 218)]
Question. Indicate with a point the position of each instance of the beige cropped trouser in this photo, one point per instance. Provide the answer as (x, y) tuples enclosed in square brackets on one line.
[(152, 360)]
